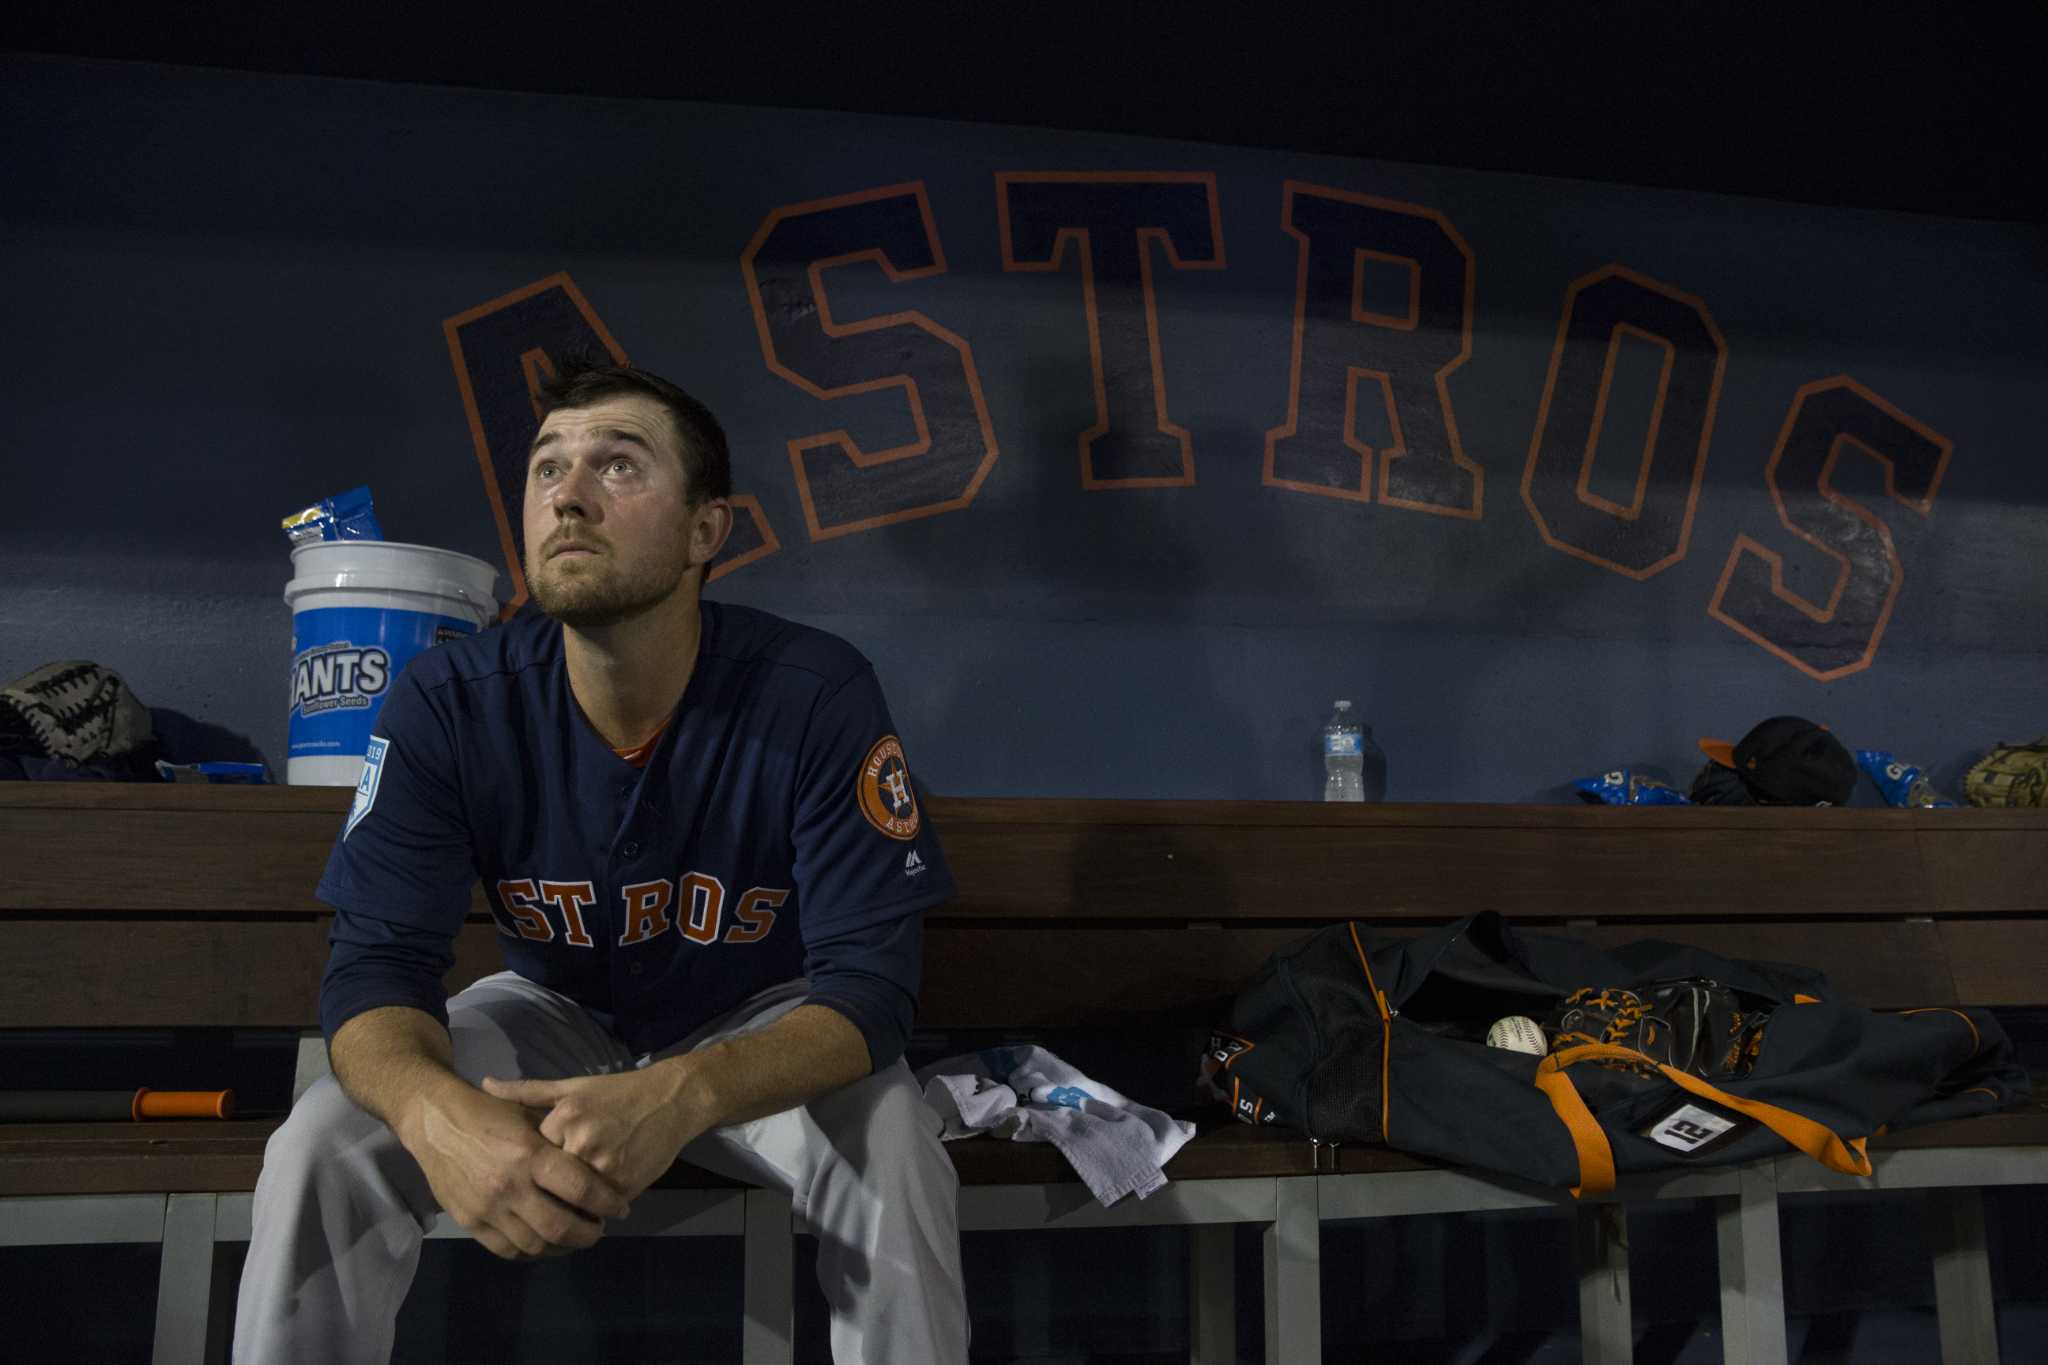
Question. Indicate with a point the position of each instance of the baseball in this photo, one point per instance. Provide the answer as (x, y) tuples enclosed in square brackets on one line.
[(1517, 1033)]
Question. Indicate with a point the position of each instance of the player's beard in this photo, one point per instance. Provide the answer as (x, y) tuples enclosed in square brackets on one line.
[(586, 600)]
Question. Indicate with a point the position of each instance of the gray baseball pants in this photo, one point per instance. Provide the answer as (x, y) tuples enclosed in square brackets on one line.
[(341, 1207)]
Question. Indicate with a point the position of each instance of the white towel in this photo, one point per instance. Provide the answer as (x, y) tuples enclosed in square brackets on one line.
[(1116, 1145)]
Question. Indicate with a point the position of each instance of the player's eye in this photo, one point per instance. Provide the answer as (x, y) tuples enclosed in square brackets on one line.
[(622, 463)]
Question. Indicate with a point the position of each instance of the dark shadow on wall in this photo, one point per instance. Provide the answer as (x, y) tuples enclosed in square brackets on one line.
[(186, 740)]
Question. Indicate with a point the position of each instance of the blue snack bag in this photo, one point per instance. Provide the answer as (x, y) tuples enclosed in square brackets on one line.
[(1901, 783), (1624, 788), (212, 772), (345, 516)]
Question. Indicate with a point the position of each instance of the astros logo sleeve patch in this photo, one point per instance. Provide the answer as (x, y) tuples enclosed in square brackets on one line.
[(883, 789)]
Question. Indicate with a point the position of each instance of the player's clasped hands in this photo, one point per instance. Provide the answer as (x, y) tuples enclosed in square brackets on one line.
[(513, 1189), (626, 1127)]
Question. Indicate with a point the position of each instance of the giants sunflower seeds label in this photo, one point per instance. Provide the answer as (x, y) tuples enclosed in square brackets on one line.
[(343, 661)]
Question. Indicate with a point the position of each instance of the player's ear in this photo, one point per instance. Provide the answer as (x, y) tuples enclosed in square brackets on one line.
[(710, 524)]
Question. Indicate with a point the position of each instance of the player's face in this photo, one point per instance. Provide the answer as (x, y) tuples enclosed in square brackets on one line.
[(609, 529)]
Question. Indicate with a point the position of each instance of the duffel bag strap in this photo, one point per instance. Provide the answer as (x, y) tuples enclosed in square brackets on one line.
[(1596, 1154), (1597, 1163)]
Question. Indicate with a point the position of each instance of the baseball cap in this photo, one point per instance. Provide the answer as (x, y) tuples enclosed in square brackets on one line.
[(1789, 761)]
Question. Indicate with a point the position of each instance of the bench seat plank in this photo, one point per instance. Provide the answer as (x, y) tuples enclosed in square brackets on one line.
[(58, 973), (225, 1157), (1999, 961), (102, 847)]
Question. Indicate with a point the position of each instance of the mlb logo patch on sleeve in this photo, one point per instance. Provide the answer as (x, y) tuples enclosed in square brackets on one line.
[(366, 786)]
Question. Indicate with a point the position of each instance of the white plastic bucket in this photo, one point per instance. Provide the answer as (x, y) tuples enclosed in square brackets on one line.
[(361, 611)]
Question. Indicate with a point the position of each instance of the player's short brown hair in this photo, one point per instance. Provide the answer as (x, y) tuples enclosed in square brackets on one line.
[(707, 463)]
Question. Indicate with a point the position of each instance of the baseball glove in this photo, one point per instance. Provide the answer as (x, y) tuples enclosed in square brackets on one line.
[(2010, 775), (1695, 1025)]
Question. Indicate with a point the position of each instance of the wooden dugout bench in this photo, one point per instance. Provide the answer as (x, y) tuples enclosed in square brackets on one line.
[(191, 906)]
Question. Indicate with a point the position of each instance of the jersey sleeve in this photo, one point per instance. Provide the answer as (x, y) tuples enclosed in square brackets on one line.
[(864, 851), (401, 870), (870, 976)]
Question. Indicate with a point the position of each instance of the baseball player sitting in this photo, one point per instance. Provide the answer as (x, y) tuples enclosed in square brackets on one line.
[(697, 832)]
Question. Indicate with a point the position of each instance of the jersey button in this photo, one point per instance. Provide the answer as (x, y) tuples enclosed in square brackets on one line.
[(630, 850), (634, 970)]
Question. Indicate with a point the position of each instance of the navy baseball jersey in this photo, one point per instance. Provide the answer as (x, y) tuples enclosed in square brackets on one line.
[(772, 833)]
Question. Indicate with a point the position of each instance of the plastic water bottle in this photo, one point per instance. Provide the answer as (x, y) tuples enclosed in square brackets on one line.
[(1343, 756)]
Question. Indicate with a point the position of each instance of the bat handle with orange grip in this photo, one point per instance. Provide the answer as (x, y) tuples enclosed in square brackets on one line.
[(94, 1106), (182, 1104)]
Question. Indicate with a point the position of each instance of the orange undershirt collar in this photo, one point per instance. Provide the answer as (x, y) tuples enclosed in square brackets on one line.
[(639, 754)]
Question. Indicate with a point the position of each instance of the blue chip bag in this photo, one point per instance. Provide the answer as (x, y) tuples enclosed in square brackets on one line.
[(345, 516), (1902, 783), (1624, 788), (212, 772)]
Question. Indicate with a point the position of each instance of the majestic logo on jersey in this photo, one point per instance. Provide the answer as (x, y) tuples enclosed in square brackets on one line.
[(338, 677), (913, 865), (366, 785), (883, 789)]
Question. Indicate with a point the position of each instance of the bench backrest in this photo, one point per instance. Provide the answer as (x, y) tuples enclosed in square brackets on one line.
[(147, 906)]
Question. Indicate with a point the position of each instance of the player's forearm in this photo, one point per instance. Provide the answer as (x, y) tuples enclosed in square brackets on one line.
[(394, 1062), (808, 1052)]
